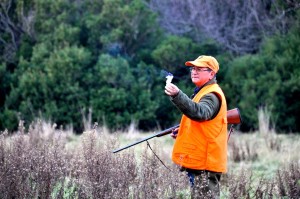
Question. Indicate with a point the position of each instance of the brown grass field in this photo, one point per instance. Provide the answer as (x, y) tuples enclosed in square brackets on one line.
[(44, 162)]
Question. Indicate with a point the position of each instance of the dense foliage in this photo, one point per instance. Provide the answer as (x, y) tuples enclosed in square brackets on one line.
[(269, 79), (60, 58)]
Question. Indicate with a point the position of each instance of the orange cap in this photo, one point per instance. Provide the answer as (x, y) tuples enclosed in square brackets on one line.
[(205, 61)]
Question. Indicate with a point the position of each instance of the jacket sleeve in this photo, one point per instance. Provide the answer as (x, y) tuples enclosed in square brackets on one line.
[(206, 109)]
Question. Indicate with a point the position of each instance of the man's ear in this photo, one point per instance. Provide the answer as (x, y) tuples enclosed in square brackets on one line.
[(212, 74)]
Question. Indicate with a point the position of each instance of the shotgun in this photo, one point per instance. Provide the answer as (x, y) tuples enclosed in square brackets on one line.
[(233, 117)]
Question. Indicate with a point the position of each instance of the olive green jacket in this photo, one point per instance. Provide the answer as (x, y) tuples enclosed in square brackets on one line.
[(207, 108)]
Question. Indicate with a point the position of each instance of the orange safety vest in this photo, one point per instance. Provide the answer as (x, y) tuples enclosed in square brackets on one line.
[(203, 145)]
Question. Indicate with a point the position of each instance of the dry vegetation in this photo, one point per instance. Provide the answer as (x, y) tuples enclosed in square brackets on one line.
[(43, 162), (46, 163)]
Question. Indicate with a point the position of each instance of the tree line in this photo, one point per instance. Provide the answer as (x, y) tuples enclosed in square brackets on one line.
[(62, 60)]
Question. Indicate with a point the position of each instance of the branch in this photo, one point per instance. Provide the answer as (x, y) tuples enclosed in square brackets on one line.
[(238, 25)]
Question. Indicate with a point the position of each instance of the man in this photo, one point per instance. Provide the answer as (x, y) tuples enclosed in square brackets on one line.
[(201, 142)]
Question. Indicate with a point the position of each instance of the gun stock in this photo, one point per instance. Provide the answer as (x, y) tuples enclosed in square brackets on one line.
[(233, 117)]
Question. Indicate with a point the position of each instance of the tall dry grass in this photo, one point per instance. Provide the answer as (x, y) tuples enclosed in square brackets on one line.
[(51, 164), (43, 162), (263, 164)]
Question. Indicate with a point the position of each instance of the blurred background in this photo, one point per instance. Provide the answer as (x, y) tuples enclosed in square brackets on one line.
[(77, 62)]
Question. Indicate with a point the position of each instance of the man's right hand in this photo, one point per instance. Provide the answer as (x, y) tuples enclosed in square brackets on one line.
[(171, 89)]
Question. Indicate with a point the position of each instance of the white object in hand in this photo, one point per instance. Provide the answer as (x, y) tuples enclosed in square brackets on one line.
[(169, 78)]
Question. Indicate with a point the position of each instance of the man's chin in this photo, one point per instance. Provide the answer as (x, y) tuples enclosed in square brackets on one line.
[(195, 80)]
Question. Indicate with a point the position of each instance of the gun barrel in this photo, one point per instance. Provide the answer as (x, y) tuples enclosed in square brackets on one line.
[(159, 134), (135, 143)]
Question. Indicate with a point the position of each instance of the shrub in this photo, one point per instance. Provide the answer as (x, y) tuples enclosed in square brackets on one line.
[(47, 163)]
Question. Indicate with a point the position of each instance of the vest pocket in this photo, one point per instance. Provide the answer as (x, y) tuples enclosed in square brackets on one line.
[(190, 161), (189, 146)]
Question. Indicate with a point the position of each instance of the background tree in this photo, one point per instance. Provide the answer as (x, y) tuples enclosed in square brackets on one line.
[(16, 21), (51, 87), (58, 58), (121, 27), (269, 79), (122, 94), (240, 26)]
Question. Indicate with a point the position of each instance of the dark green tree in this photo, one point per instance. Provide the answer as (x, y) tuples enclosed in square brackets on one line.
[(51, 85), (120, 27), (122, 94), (269, 79)]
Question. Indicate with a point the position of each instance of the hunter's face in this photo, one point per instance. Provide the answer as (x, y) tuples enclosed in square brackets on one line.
[(201, 75)]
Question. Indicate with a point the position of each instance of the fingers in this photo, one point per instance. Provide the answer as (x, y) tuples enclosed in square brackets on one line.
[(174, 133), (171, 89), (175, 130), (169, 92)]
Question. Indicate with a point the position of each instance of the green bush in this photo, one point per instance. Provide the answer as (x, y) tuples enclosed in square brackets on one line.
[(269, 79)]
